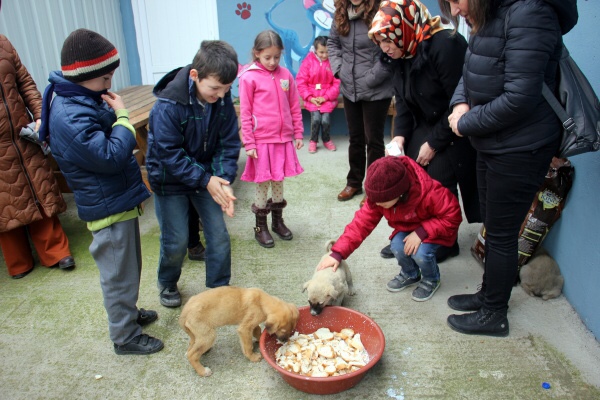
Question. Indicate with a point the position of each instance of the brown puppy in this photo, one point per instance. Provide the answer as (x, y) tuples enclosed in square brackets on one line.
[(230, 305), (541, 276)]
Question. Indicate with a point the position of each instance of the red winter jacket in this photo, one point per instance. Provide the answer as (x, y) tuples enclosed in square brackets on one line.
[(431, 210), (315, 79)]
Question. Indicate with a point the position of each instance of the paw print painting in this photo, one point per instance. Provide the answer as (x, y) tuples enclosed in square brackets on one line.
[(243, 10)]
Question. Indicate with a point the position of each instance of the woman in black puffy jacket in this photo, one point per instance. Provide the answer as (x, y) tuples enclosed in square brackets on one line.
[(514, 49)]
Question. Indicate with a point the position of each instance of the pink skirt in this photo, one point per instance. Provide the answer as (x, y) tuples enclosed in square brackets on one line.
[(275, 162)]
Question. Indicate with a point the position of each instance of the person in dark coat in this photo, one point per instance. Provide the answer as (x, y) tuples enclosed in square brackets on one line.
[(365, 87), (427, 59), (514, 49)]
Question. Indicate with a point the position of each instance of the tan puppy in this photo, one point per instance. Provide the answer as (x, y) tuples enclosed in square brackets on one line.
[(541, 276), (328, 288), (230, 305)]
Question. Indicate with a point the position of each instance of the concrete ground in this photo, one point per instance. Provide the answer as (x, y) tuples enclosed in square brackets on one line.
[(54, 341)]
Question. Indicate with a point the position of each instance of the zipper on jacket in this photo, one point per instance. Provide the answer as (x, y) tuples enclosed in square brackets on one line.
[(12, 139)]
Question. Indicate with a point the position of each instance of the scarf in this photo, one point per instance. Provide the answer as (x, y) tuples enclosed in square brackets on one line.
[(355, 13), (65, 90), (406, 23)]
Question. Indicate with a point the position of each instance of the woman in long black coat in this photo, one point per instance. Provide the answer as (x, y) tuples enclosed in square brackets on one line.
[(427, 58)]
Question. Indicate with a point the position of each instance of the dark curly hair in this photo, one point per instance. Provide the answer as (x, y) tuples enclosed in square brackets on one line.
[(342, 22)]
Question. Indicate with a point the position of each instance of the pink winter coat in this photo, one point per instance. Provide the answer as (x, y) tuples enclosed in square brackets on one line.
[(431, 210), (315, 79), (269, 106)]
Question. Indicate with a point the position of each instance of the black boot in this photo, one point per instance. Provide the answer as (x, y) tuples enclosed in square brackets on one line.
[(443, 252), (466, 302), (261, 230), (482, 322), (277, 225), (386, 252)]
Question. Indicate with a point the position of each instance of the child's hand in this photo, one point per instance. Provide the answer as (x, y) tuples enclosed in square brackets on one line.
[(411, 244), (251, 153), (38, 122), (113, 100), (321, 100), (221, 193), (327, 262), (299, 144), (315, 101)]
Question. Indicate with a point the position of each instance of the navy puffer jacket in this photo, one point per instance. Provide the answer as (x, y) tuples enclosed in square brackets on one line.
[(506, 64), (184, 150), (96, 159)]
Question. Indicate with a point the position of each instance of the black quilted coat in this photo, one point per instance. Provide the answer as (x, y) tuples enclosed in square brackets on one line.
[(505, 66)]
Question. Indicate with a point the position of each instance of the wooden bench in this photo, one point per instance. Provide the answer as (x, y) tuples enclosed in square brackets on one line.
[(138, 101)]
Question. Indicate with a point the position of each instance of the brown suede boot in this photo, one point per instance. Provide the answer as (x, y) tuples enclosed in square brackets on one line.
[(277, 225), (261, 230)]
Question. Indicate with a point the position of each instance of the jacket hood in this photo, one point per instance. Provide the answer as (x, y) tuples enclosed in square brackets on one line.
[(566, 10), (174, 85), (57, 77)]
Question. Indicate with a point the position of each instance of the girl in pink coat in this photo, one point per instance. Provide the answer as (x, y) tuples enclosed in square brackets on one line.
[(319, 89), (272, 131)]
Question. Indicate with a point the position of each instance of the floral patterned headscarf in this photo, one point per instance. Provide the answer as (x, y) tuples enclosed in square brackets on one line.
[(406, 23)]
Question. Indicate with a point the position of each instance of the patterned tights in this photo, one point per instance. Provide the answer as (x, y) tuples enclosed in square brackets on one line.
[(262, 193)]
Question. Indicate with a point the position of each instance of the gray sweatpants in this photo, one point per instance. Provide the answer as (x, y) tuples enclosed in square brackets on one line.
[(118, 255)]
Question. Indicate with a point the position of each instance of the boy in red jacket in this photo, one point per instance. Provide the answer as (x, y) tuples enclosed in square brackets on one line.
[(422, 213)]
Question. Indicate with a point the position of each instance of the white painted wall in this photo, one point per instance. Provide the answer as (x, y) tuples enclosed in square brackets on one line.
[(169, 33)]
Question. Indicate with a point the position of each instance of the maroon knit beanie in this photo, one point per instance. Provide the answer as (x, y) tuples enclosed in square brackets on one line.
[(387, 179), (87, 55)]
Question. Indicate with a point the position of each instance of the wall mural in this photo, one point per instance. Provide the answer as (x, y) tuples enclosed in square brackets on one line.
[(320, 16)]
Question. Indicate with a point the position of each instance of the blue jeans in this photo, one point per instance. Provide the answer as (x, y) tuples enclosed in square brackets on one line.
[(172, 215), (423, 261)]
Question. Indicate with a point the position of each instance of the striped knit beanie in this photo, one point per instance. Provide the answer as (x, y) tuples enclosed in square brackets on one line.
[(87, 55)]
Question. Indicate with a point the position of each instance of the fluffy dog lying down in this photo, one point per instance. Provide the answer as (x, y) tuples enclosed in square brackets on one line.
[(541, 276), (229, 305), (328, 288)]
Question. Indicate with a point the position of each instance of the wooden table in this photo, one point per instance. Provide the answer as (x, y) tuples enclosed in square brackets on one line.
[(138, 101)]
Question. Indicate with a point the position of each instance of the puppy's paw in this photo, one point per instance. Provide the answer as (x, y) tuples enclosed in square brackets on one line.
[(351, 292), (255, 357), (207, 372)]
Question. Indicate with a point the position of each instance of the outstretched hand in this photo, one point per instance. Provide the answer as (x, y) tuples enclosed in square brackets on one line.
[(328, 262), (222, 194)]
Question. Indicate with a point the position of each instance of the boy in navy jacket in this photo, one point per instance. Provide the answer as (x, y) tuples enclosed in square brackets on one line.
[(193, 148)]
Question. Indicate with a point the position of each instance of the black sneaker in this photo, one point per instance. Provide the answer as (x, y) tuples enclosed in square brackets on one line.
[(400, 282), (425, 290), (197, 253), (386, 252), (146, 317), (170, 297), (140, 345), (466, 302), (482, 322)]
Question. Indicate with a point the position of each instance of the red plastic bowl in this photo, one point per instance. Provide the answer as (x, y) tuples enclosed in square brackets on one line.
[(336, 319)]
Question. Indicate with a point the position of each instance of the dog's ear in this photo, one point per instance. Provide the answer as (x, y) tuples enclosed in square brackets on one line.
[(306, 284)]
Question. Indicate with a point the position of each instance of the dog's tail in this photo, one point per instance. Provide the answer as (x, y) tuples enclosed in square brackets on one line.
[(329, 245)]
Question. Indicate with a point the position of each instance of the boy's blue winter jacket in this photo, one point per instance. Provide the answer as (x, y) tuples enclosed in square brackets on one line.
[(96, 159), (184, 152)]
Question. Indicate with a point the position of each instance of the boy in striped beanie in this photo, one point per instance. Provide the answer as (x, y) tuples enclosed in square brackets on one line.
[(92, 142)]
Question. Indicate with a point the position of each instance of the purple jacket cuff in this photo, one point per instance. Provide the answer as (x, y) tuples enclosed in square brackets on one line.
[(336, 255), (421, 233)]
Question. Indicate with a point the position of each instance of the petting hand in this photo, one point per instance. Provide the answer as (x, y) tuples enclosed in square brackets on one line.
[(251, 153), (327, 262), (113, 100), (299, 144), (411, 244), (426, 154), (221, 193)]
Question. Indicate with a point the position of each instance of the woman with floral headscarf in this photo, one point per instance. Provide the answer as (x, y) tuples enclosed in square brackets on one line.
[(427, 59)]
